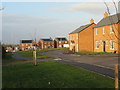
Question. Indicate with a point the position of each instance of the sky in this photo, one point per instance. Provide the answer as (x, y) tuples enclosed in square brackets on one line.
[(30, 20)]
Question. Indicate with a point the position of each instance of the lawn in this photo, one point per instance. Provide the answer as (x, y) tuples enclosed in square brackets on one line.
[(8, 58), (52, 75), (39, 56)]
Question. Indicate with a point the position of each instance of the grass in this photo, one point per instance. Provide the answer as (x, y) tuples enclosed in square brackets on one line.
[(52, 75), (39, 56), (91, 53), (8, 58), (99, 53)]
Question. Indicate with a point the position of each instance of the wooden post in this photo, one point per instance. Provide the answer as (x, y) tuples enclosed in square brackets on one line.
[(116, 77), (34, 57)]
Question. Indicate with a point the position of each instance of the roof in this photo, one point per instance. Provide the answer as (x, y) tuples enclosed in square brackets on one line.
[(47, 39), (113, 19), (26, 41), (61, 39), (81, 28)]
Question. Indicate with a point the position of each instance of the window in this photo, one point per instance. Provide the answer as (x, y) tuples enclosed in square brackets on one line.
[(97, 45), (22, 48), (106, 42), (59, 42), (111, 44), (45, 46), (60, 45), (66, 42), (111, 29), (76, 36), (69, 37), (103, 30), (77, 47), (96, 31)]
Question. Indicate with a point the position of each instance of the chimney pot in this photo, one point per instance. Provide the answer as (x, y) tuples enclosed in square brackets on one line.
[(91, 21), (105, 14)]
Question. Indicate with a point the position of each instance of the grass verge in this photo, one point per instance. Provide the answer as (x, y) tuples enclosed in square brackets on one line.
[(30, 53), (8, 58), (52, 75)]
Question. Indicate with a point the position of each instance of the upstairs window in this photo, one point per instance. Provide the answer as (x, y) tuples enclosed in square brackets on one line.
[(97, 32), (111, 29), (76, 36), (103, 30)]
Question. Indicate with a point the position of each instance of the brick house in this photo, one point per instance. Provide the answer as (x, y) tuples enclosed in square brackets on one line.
[(26, 44), (60, 42), (46, 43), (81, 39), (106, 34)]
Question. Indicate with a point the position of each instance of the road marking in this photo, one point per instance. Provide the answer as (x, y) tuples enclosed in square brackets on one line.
[(57, 59)]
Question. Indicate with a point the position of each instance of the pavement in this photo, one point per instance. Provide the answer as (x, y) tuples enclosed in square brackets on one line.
[(103, 65)]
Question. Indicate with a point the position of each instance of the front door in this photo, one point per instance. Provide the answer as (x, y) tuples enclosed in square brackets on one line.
[(104, 46)]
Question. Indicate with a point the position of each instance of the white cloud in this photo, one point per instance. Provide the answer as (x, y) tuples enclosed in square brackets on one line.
[(88, 7), (17, 27), (57, 0)]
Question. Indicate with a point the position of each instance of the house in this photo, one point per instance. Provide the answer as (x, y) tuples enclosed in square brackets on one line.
[(81, 39), (61, 42), (106, 34), (26, 44), (46, 43)]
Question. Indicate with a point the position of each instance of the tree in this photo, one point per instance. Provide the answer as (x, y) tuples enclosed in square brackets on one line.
[(3, 52)]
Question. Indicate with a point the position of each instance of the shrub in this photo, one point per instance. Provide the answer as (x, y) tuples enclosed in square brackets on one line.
[(3, 52)]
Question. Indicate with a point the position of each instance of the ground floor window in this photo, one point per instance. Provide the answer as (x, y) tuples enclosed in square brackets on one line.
[(97, 45), (77, 47), (111, 44)]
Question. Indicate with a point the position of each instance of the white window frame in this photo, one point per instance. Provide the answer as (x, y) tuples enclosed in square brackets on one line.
[(60, 42), (22, 44), (76, 36), (45, 46), (111, 29), (103, 30), (77, 47), (97, 43), (97, 31), (112, 44)]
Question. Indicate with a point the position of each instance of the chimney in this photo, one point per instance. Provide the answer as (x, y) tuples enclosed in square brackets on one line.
[(91, 21), (50, 38), (105, 14)]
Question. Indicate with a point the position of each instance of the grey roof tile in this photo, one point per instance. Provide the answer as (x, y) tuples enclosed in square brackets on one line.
[(113, 19), (81, 28)]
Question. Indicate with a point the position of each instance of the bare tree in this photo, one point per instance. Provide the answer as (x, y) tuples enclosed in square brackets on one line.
[(111, 20)]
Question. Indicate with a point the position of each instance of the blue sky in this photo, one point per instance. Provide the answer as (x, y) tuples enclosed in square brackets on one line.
[(20, 20)]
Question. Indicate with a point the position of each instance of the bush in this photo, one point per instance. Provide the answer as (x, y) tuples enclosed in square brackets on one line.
[(3, 52)]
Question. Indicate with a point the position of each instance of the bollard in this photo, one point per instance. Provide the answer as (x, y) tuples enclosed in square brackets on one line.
[(116, 77), (34, 57)]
